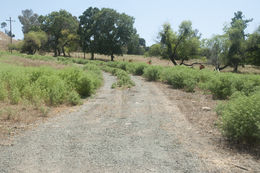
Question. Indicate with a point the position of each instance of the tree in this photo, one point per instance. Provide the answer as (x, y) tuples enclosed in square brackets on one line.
[(69, 42), (253, 48), (182, 45), (88, 31), (218, 47), (114, 31), (34, 41), (142, 42), (134, 47), (29, 20), (54, 24), (7, 32), (155, 50), (237, 37), (3, 24)]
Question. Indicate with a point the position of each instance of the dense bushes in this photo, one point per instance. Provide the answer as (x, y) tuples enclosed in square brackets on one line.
[(46, 85), (152, 73), (240, 118)]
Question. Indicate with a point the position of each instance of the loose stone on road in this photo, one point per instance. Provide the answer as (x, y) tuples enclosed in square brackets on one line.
[(131, 130)]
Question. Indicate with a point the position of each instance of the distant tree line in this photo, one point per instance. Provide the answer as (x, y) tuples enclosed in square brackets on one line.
[(105, 31), (234, 48), (96, 31)]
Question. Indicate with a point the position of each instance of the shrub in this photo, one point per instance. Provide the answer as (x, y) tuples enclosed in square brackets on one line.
[(85, 85), (46, 85), (15, 96), (221, 86), (74, 98), (180, 78), (152, 73), (139, 68), (3, 92), (240, 118), (123, 79), (54, 87)]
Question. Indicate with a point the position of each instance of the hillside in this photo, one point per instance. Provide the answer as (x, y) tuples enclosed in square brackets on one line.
[(4, 41)]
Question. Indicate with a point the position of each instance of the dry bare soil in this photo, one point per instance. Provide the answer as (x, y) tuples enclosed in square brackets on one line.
[(142, 129)]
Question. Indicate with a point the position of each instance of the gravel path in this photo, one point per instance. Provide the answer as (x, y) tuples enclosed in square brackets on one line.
[(133, 130)]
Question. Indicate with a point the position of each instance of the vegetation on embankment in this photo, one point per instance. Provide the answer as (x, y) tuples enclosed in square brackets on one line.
[(46, 85), (239, 117)]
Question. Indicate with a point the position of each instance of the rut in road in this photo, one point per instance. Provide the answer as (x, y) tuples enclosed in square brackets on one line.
[(128, 130)]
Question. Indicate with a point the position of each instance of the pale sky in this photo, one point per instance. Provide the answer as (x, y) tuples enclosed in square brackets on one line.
[(208, 16)]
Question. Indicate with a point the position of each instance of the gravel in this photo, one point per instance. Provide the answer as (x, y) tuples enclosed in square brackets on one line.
[(132, 130)]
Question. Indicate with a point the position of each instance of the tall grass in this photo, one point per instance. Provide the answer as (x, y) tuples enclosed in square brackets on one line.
[(49, 86), (239, 117)]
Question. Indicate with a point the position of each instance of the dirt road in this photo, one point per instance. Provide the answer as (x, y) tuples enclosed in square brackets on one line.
[(133, 130)]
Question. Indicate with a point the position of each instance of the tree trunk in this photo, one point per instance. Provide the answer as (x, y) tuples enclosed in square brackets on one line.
[(84, 55), (235, 68), (112, 57), (92, 55), (58, 52), (173, 60), (221, 68), (55, 52), (63, 51)]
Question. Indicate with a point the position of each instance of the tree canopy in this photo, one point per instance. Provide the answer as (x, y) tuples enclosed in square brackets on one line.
[(106, 31), (88, 31), (58, 25), (34, 41), (115, 31), (181, 45), (29, 21)]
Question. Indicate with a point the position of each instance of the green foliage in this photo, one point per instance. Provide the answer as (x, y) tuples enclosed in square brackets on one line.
[(47, 85), (88, 31), (253, 48), (33, 41), (221, 87), (74, 98), (54, 24), (181, 78), (3, 92), (15, 95), (218, 49), (237, 36), (152, 73), (155, 50), (182, 45), (123, 79), (115, 31), (240, 118), (136, 45), (29, 20), (138, 68)]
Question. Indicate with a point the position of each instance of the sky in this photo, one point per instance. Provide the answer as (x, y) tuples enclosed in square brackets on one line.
[(208, 16)]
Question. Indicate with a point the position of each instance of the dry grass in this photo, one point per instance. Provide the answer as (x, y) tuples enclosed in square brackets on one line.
[(15, 60), (16, 118), (205, 122), (248, 69), (4, 41)]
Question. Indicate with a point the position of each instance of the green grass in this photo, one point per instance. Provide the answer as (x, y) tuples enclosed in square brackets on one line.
[(47, 85), (239, 116), (123, 78)]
